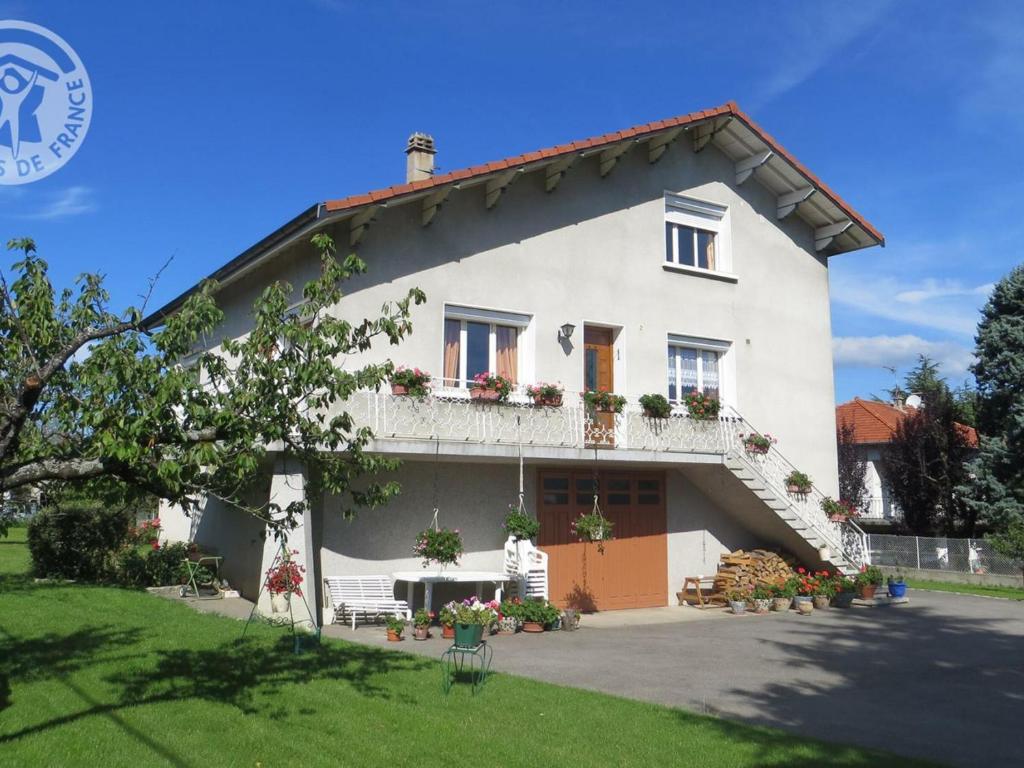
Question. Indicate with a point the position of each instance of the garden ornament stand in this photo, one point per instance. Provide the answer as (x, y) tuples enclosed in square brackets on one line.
[(300, 640)]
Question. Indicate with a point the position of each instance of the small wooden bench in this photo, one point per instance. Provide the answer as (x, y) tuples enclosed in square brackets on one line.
[(367, 595), (694, 589)]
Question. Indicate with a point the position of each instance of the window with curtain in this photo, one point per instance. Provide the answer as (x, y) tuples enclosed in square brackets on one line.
[(472, 347), (697, 235), (692, 370), (689, 246)]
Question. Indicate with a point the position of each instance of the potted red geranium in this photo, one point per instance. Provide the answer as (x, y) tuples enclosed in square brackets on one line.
[(490, 387), (284, 580), (410, 381), (702, 407), (604, 401)]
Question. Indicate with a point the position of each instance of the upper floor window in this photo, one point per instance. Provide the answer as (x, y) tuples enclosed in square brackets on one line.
[(482, 341), (694, 365), (696, 235)]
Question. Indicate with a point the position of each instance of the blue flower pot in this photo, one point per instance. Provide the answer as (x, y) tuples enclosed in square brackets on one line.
[(897, 590)]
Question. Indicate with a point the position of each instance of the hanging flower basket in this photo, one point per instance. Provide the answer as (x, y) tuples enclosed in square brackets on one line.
[(520, 525), (440, 545), (285, 578), (593, 526)]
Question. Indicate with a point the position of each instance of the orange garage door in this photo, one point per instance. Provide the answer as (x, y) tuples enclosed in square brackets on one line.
[(633, 571)]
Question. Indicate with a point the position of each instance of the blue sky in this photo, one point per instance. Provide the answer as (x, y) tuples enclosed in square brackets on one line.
[(215, 123)]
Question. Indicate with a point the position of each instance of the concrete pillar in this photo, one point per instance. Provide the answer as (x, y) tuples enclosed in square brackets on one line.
[(287, 485)]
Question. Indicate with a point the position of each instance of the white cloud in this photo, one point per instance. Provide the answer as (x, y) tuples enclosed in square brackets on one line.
[(901, 352), (72, 201), (815, 34), (941, 305)]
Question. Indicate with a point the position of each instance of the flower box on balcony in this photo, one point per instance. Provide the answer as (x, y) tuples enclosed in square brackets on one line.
[(549, 395), (603, 401), (399, 389), (490, 388), (757, 444), (484, 394), (551, 401)]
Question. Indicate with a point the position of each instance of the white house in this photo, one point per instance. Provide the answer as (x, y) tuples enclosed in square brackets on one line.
[(688, 254)]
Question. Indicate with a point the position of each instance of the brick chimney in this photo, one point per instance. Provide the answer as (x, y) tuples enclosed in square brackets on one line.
[(419, 163)]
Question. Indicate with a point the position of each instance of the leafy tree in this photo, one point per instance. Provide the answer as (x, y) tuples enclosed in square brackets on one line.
[(996, 488), (92, 397), (925, 464), (1010, 541), (853, 468)]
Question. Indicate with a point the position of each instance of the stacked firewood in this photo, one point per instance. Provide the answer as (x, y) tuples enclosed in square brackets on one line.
[(741, 570)]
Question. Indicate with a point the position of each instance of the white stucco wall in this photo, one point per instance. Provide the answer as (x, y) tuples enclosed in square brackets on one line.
[(592, 252)]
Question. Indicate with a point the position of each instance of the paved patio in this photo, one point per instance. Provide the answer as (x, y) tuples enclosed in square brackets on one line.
[(940, 678)]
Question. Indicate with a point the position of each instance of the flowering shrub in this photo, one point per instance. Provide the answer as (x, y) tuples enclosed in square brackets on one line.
[(422, 618), (592, 526), (656, 406), (603, 400), (511, 608), (286, 577), (146, 532), (442, 546), (755, 443), (798, 482), (869, 574), (702, 407), (495, 382), (472, 611), (416, 382), (521, 525), (546, 394)]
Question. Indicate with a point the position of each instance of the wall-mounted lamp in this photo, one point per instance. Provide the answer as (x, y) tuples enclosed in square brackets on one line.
[(565, 332)]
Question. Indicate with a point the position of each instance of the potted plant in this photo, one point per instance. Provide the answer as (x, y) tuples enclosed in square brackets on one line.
[(762, 597), (868, 580), (897, 585), (510, 614), (656, 406), (604, 401), (755, 443), (592, 526), (410, 381), (822, 589), (803, 583), (702, 407), (283, 581), (546, 394), (439, 545), (537, 614), (737, 600), (396, 626), (838, 511), (447, 620), (570, 620), (782, 595), (798, 483), (472, 617), (520, 526), (845, 589), (490, 387), (421, 624)]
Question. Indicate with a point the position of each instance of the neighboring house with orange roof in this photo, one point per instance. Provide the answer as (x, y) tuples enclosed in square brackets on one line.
[(874, 427), (680, 257)]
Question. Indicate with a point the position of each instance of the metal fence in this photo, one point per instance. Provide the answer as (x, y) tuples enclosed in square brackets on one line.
[(940, 554)]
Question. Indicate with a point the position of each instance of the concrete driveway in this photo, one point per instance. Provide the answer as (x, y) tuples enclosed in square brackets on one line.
[(940, 678)]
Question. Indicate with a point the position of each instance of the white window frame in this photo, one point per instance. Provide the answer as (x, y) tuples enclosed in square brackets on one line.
[(492, 318), (702, 215), (726, 367)]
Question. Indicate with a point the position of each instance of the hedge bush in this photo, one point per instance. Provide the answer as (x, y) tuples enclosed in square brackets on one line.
[(78, 541)]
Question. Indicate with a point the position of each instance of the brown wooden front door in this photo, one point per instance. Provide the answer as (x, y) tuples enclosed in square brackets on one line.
[(633, 571), (598, 374)]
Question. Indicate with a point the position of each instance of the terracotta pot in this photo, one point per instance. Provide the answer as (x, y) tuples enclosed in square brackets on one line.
[(485, 395), (781, 603), (447, 632), (822, 601), (652, 415), (394, 637), (866, 591), (555, 401), (796, 489), (399, 389), (839, 518), (805, 608), (755, 449), (532, 626), (421, 633)]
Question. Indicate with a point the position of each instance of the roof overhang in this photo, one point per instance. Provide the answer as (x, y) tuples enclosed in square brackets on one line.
[(838, 228)]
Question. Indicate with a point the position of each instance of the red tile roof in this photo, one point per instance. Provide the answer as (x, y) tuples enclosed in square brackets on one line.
[(875, 422), (730, 109)]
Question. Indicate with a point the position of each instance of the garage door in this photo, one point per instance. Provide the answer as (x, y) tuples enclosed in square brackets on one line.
[(633, 571)]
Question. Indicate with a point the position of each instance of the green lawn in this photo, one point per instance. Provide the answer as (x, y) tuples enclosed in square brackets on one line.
[(102, 676), (1012, 593)]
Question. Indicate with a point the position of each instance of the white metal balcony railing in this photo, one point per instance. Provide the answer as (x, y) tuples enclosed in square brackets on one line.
[(449, 415)]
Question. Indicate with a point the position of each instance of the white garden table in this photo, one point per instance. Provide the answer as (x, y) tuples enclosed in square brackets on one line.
[(429, 578)]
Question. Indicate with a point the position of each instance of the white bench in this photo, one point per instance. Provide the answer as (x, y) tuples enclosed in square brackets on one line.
[(366, 595)]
